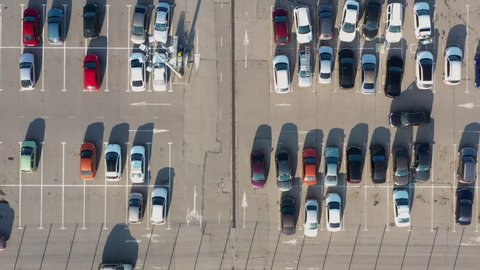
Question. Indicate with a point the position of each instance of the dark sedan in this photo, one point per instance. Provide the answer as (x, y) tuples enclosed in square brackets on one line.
[(90, 21), (287, 211), (463, 211), (346, 59), (423, 157), (378, 163), (405, 119), (354, 164), (257, 168), (393, 79), (400, 166), (371, 20)]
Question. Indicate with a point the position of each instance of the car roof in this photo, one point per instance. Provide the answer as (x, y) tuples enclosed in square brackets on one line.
[(396, 15), (302, 15)]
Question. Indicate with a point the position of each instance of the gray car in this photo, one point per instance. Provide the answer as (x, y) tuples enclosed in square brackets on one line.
[(284, 170), (400, 166), (369, 73), (55, 26), (287, 210), (332, 164), (467, 165), (139, 24)]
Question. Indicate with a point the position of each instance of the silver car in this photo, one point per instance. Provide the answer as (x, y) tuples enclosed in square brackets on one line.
[(369, 71), (27, 71), (135, 208), (284, 170), (332, 164), (325, 56), (139, 24)]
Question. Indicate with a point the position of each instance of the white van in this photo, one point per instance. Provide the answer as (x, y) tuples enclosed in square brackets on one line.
[(394, 23)]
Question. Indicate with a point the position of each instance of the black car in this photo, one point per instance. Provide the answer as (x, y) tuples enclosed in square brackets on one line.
[(287, 210), (401, 168), (405, 119), (325, 21), (463, 211), (423, 157), (354, 164), (371, 20), (393, 80), (346, 59), (91, 27), (378, 163)]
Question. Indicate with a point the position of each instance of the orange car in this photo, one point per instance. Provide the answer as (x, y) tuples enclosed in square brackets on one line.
[(88, 161), (309, 167)]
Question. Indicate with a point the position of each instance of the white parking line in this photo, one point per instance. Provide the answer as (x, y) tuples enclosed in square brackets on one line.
[(64, 49), (127, 179), (170, 181), (63, 186), (106, 59), (365, 189), (86, 46), (466, 57), (44, 7), (84, 205), (41, 187), (431, 189), (278, 207), (476, 198), (147, 180), (388, 184), (1, 8), (105, 197), (22, 7), (453, 186), (19, 175), (128, 46)]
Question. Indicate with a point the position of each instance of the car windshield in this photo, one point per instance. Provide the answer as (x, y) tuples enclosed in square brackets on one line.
[(422, 12), (371, 26), (369, 66), (136, 157), (258, 177), (25, 65), (423, 168), (368, 85), (427, 69), (26, 83), (29, 19), (54, 19), (378, 159), (281, 66), (348, 27), (282, 39), (303, 74), (325, 75), (454, 58), (281, 19), (137, 83), (401, 173), (111, 156), (465, 201), (325, 56), (395, 69), (312, 226), (137, 30), (335, 225), (284, 177), (162, 27), (158, 201), (402, 201), (403, 220), (135, 63), (394, 29), (90, 14), (27, 151), (28, 37), (309, 160), (86, 173), (304, 29), (90, 65), (86, 154), (346, 61), (288, 210), (355, 158), (135, 202), (334, 205)]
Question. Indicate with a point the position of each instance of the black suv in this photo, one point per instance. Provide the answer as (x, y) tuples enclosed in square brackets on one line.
[(91, 27), (287, 210), (346, 59), (423, 157), (393, 80), (371, 20), (463, 211), (378, 163), (405, 119), (354, 164)]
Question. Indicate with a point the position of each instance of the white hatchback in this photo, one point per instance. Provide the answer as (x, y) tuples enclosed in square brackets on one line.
[(303, 27), (137, 164), (159, 206), (310, 228), (162, 22), (113, 162), (424, 70), (348, 27), (452, 75), (325, 56), (423, 25), (334, 212), (27, 71), (401, 207), (138, 73), (160, 72), (281, 74)]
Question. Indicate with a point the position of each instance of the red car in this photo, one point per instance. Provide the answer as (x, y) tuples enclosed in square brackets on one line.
[(31, 27), (309, 167), (91, 74), (280, 26), (88, 161)]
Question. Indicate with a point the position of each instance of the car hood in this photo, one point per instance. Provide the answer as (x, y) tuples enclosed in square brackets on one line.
[(284, 185), (160, 36)]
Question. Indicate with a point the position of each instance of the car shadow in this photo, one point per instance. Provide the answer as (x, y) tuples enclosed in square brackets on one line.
[(94, 134), (288, 139), (7, 216), (457, 36), (120, 246), (101, 12), (36, 132), (119, 135), (166, 178), (381, 136), (263, 142), (359, 137), (413, 99)]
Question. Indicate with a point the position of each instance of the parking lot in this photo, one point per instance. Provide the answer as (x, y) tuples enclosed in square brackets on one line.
[(57, 221)]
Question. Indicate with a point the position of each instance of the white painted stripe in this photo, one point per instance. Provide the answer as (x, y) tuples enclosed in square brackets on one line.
[(1, 9), (41, 186), (63, 185), (388, 184), (454, 177), (147, 180), (466, 57), (170, 180), (44, 7), (127, 180), (128, 47), (105, 199), (64, 50), (431, 188), (86, 45), (107, 89), (19, 174), (22, 7), (84, 205)]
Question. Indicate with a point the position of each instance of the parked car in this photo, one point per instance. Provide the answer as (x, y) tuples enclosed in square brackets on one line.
[(160, 72), (138, 73), (393, 79), (27, 71), (405, 119), (91, 73), (137, 164), (310, 161), (378, 163), (423, 160), (354, 164), (258, 173), (452, 74), (114, 266), (467, 165), (162, 22), (280, 27), (332, 165), (371, 21), (477, 70), (463, 209), (424, 70), (401, 167), (310, 229), (401, 207), (394, 22), (113, 162), (325, 56), (348, 26), (139, 24), (135, 208), (346, 60), (325, 21), (281, 74), (88, 161), (369, 73), (159, 206), (287, 210), (334, 212), (422, 21), (31, 27), (28, 156), (55, 26), (91, 27), (284, 170), (304, 70), (303, 27)]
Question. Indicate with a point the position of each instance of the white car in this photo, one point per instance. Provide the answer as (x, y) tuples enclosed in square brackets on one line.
[(281, 74), (137, 164), (369, 71), (453, 66), (394, 23), (115, 266), (310, 228), (135, 208), (159, 206), (160, 72), (138, 72), (348, 27), (325, 56), (303, 27), (27, 71), (304, 70), (401, 207), (424, 70), (423, 25), (162, 22), (113, 162), (334, 212)]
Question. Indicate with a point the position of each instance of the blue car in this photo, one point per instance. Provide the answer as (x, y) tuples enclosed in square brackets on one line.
[(55, 26), (477, 71)]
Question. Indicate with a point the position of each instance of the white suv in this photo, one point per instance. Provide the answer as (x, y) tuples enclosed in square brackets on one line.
[(394, 23), (453, 66), (424, 70), (423, 26), (113, 162)]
